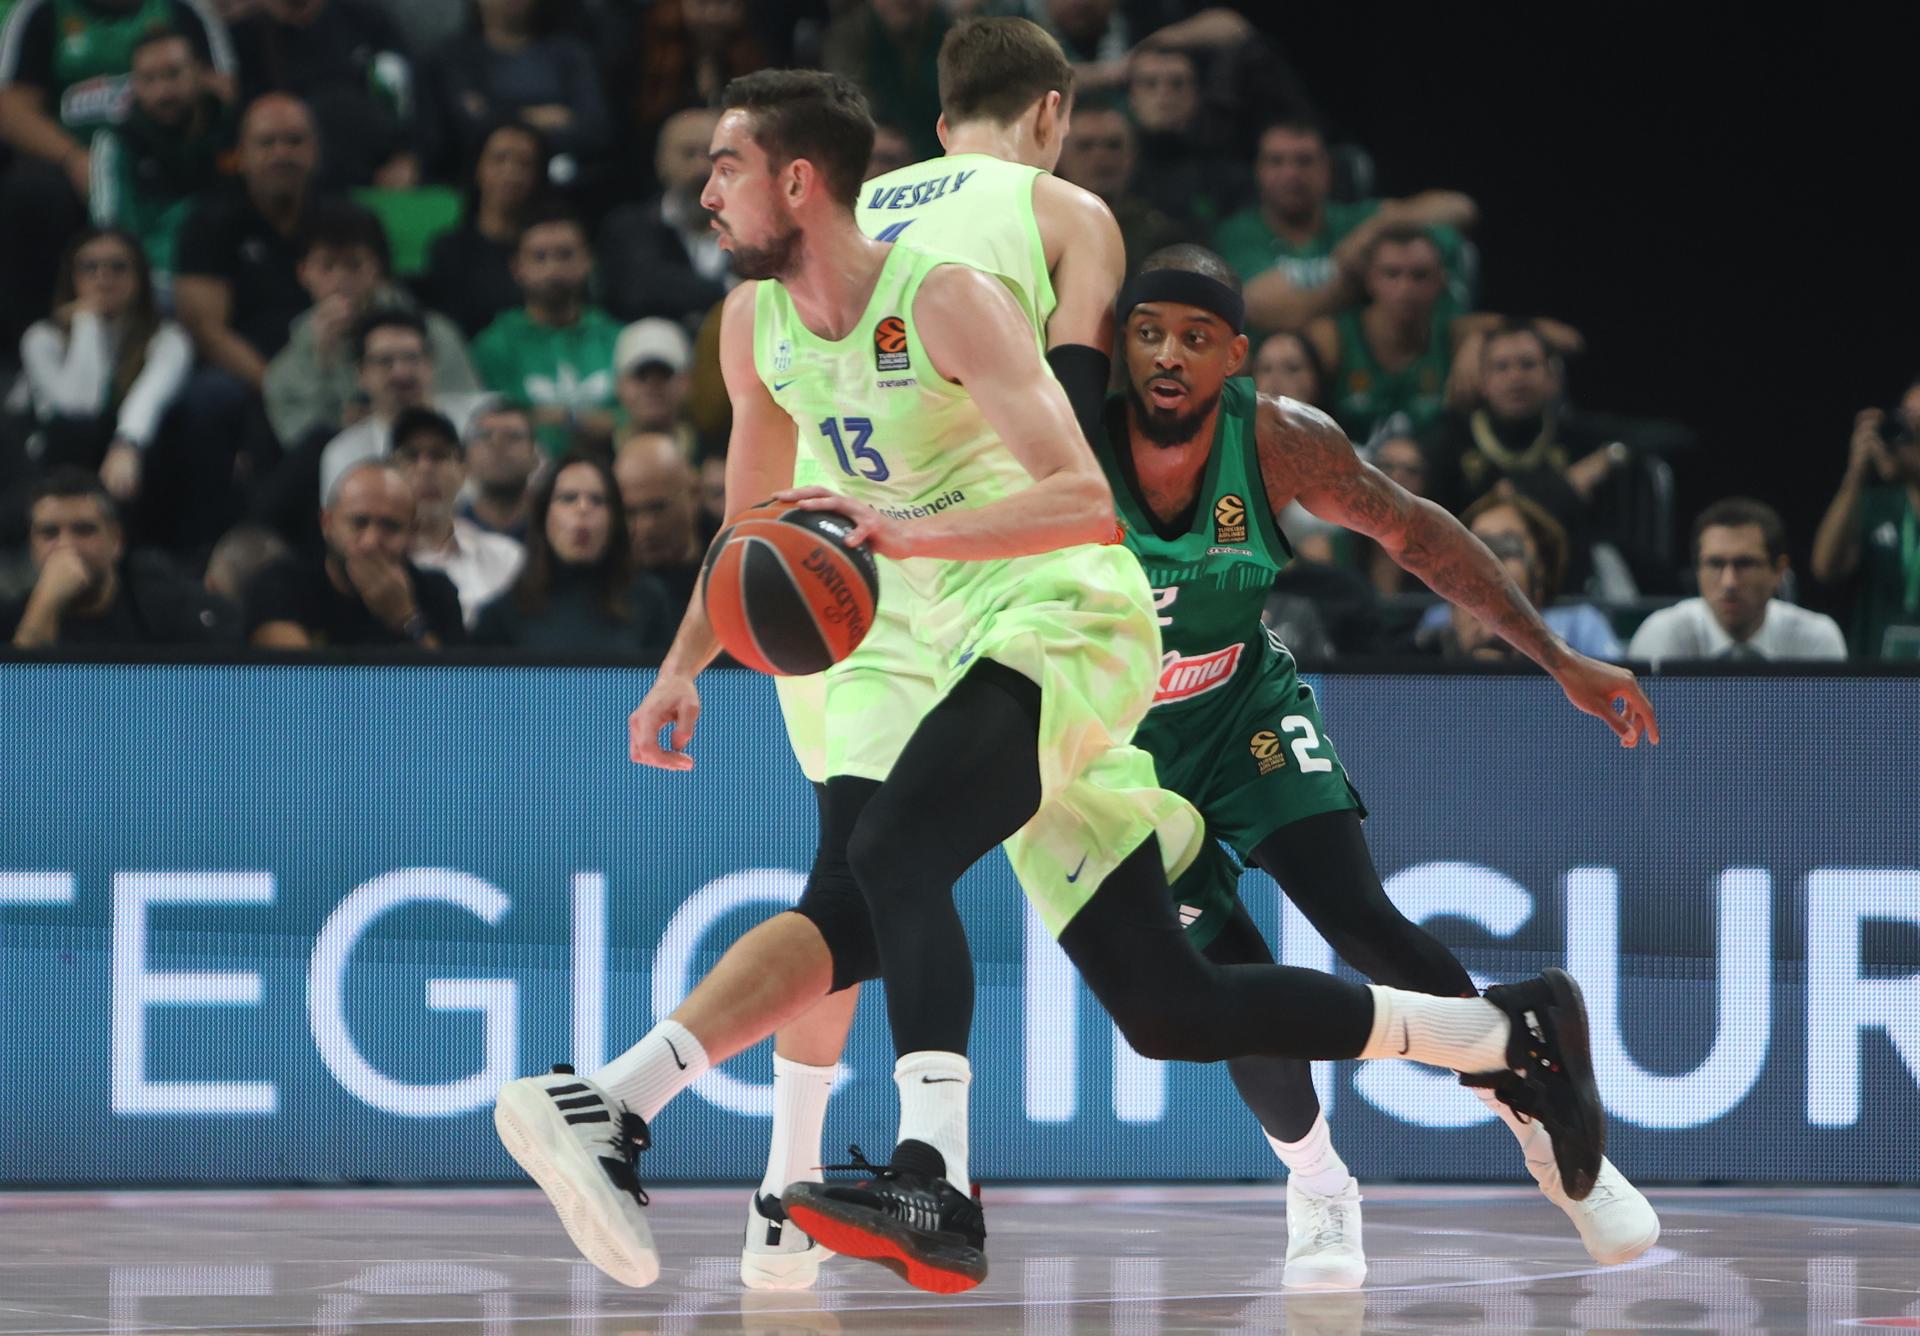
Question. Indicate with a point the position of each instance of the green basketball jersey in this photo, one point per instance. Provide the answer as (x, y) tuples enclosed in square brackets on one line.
[(93, 52), (973, 207), (876, 419), (1211, 578), (1366, 395)]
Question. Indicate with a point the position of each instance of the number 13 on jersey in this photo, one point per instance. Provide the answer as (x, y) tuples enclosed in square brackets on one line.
[(857, 458)]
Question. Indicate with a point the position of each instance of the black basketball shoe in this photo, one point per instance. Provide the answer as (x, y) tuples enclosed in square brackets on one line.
[(903, 1215), (1550, 1076)]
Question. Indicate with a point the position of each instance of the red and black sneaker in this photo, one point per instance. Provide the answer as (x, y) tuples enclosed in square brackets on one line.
[(906, 1216), (1550, 1073)]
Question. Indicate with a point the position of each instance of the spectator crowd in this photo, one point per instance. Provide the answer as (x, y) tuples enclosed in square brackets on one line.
[(394, 322)]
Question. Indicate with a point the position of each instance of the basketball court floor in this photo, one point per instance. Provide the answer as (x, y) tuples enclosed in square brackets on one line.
[(1134, 1260)]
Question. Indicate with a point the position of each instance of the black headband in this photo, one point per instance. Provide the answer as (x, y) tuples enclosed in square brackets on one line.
[(1188, 289)]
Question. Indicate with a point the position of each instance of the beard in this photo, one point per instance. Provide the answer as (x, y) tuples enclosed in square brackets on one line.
[(775, 259), (1163, 427)]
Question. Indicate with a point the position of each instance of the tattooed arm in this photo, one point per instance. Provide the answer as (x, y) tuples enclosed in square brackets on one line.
[(1305, 457)]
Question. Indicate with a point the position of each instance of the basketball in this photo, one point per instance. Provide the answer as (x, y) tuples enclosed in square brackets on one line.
[(784, 592)]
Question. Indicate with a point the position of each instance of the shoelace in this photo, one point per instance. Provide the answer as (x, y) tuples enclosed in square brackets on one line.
[(624, 1165), (1322, 1223), (861, 1165)]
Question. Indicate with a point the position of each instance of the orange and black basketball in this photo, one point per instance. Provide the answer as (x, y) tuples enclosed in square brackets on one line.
[(784, 592)]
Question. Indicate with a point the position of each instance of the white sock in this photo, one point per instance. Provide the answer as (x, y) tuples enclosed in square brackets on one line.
[(799, 1108), (933, 1107), (1535, 1144), (654, 1070), (1467, 1034), (1312, 1162)]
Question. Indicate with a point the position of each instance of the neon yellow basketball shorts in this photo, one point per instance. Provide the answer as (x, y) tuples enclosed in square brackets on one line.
[(1080, 623)]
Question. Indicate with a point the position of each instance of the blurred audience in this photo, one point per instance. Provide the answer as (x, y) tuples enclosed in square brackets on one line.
[(86, 590), (237, 280), (364, 590), (348, 62), (1503, 519), (1523, 436), (395, 374), (470, 269), (1182, 171), (1387, 363), (654, 359), (1871, 531), (104, 367), (577, 590), (1740, 557), (65, 68), (1099, 156), (147, 171), (502, 459), (660, 495), (661, 257), (344, 267), (1288, 365), (892, 150), (240, 555), (518, 63), (1302, 253), (682, 54), (428, 454), (555, 354), (891, 49)]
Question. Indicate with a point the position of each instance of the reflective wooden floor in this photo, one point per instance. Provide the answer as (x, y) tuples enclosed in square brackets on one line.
[(1139, 1261)]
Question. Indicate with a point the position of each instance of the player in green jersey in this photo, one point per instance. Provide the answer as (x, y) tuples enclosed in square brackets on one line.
[(1041, 632), (1199, 475)]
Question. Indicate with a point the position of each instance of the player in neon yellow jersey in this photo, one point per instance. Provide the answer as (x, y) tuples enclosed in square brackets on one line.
[(1042, 633)]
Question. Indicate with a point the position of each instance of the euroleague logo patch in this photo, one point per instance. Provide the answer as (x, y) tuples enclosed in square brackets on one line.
[(1229, 520), (1268, 754), (890, 345)]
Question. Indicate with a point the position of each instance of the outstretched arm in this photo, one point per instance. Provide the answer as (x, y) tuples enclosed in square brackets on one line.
[(978, 338), (759, 463), (1306, 457)]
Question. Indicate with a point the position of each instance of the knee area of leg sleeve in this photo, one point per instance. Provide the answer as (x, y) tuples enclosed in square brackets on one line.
[(834, 906)]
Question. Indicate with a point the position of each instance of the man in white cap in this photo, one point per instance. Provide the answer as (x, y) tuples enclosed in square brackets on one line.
[(652, 359)]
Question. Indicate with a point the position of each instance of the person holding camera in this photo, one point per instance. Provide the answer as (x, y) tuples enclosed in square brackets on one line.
[(1872, 530)]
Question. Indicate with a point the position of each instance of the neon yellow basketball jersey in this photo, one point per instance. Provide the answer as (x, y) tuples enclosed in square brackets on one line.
[(874, 416), (973, 207)]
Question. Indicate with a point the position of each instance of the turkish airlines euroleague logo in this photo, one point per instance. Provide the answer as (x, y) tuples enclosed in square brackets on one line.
[(890, 345)]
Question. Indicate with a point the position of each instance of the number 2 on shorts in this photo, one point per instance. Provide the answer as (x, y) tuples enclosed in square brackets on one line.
[(1303, 746), (872, 466)]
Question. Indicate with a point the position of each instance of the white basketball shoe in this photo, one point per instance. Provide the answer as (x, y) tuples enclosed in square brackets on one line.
[(1616, 1221), (1323, 1240), (775, 1253), (581, 1147)]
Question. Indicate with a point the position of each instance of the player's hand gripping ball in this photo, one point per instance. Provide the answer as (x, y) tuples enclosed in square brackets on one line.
[(784, 592)]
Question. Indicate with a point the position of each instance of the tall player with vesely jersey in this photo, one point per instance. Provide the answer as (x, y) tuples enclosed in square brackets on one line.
[(964, 464)]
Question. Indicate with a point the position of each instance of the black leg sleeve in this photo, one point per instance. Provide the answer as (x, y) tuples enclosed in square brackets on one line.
[(1172, 1002), (1324, 866), (1278, 1090), (832, 901), (969, 777)]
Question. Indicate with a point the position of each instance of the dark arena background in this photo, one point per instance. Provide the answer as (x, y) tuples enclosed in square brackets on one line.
[(277, 923)]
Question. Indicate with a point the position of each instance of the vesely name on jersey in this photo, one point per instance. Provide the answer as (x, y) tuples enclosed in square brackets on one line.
[(1183, 679), (917, 193), (956, 497)]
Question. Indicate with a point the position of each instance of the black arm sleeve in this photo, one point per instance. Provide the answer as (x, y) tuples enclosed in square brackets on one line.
[(1082, 373)]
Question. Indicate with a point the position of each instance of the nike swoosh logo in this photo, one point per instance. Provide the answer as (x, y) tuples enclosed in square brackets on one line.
[(676, 1054), (1077, 871), (937, 1080), (1405, 1044), (779, 385)]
